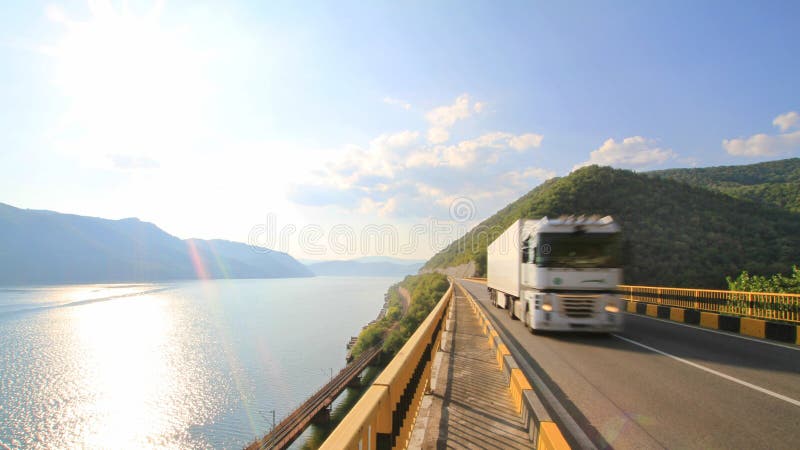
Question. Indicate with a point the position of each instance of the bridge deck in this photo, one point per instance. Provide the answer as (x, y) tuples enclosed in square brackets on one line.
[(622, 393), (470, 405)]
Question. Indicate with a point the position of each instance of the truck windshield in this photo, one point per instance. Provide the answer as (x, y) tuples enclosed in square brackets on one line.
[(579, 250)]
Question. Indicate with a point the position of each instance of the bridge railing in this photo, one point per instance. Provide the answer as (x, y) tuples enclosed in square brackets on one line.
[(759, 305), (383, 417)]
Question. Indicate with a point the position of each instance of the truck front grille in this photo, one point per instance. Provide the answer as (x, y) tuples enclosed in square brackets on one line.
[(579, 308)]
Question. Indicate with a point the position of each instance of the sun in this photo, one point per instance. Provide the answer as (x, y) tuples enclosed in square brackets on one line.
[(130, 83)]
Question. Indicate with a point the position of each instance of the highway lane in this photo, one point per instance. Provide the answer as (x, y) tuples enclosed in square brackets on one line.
[(713, 391)]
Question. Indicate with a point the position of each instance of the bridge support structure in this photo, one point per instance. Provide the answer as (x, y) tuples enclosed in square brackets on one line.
[(355, 382), (322, 417)]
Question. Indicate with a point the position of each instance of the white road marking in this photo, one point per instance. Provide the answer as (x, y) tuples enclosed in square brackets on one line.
[(785, 345), (713, 372)]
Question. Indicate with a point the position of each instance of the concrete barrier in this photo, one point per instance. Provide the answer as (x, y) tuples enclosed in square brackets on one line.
[(542, 430), (758, 328), (551, 438)]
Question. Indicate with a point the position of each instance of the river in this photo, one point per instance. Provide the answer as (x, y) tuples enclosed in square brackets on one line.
[(198, 364)]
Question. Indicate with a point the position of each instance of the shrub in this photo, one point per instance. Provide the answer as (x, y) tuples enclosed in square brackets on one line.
[(777, 283)]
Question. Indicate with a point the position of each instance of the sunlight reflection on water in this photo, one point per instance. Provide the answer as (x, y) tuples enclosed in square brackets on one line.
[(199, 365)]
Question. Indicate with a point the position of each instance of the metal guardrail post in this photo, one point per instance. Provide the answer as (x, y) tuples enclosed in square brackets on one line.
[(756, 305)]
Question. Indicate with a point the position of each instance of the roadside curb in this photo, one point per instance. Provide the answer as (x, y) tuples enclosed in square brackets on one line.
[(746, 326), (542, 430)]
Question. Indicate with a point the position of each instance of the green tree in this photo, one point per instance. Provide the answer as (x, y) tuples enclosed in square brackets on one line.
[(778, 283)]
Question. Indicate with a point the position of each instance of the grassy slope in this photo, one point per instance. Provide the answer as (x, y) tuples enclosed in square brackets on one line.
[(675, 234)]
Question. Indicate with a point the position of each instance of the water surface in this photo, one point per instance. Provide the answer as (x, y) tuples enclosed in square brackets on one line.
[(180, 365)]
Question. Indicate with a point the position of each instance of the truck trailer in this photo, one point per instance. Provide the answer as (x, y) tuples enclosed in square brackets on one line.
[(558, 274)]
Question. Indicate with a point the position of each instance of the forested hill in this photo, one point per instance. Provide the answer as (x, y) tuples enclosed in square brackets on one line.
[(676, 234), (774, 182)]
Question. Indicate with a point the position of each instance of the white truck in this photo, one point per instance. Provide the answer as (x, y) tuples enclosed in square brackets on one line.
[(558, 274)]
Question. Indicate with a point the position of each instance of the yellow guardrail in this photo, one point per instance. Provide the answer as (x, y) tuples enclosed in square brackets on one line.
[(384, 416), (759, 305), (476, 279)]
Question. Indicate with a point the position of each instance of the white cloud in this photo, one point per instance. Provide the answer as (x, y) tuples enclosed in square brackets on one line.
[(399, 176), (763, 145), (397, 102), (437, 135), (768, 145), (786, 121), (380, 208), (460, 155), (429, 191), (442, 118), (631, 152), (446, 116), (526, 141), (379, 160), (423, 158), (485, 149), (394, 141), (410, 175)]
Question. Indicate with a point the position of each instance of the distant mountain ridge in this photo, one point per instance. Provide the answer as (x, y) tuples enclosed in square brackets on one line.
[(368, 259), (47, 247), (675, 233), (368, 268), (389, 259)]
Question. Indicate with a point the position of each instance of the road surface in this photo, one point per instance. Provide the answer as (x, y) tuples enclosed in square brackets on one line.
[(660, 384)]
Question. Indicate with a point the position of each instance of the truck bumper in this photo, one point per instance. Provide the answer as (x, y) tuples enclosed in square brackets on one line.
[(600, 323)]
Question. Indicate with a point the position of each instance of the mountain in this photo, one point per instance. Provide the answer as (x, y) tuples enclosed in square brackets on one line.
[(368, 269), (237, 260), (370, 259), (389, 259), (46, 247), (774, 183), (675, 234)]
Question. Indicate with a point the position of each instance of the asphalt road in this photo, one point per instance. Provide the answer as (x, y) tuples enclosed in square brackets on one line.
[(665, 385)]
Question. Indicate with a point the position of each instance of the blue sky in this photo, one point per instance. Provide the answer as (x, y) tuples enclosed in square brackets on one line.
[(210, 119)]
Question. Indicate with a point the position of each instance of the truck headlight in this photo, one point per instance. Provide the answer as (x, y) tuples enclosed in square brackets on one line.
[(612, 308), (546, 305)]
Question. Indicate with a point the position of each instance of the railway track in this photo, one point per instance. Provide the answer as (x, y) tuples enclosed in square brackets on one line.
[(295, 423)]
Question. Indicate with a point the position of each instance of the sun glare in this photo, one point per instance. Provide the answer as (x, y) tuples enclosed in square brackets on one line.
[(130, 82), (126, 369)]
